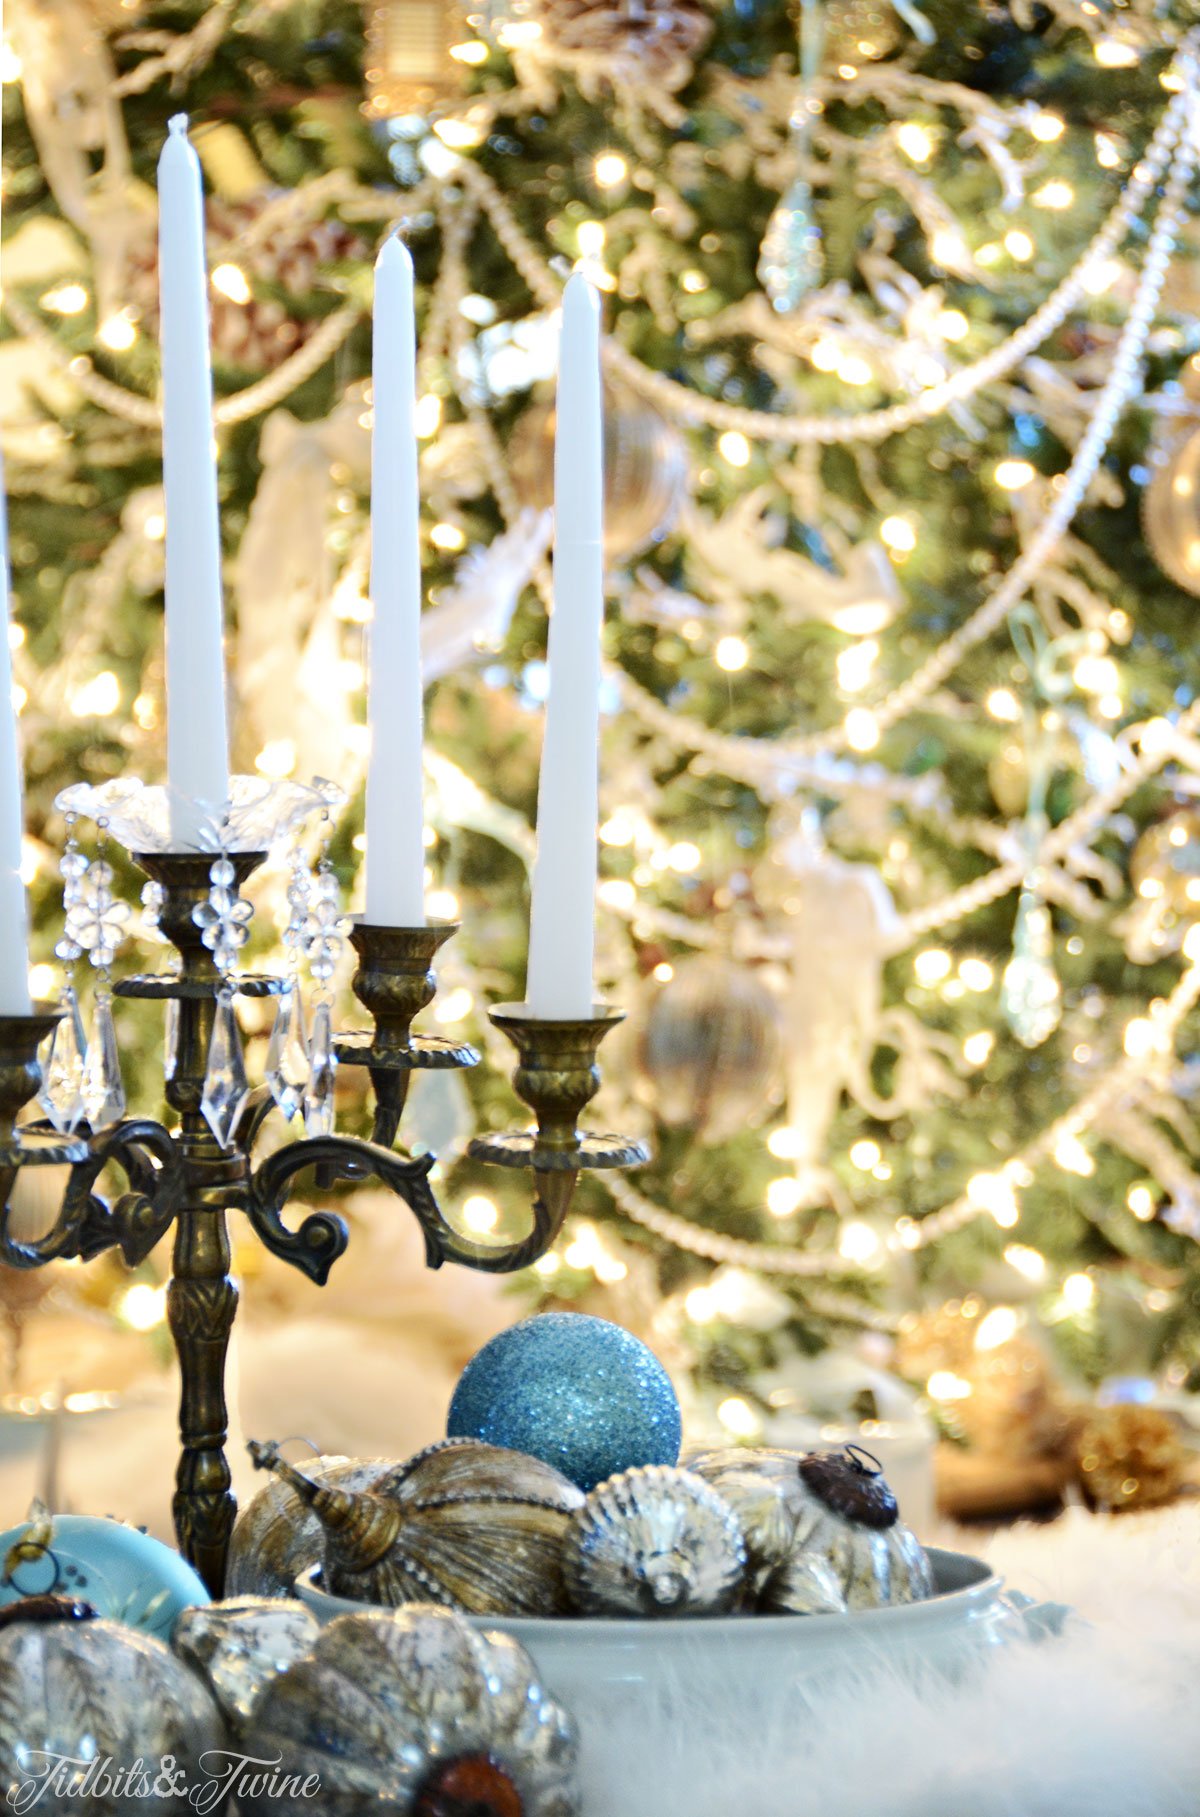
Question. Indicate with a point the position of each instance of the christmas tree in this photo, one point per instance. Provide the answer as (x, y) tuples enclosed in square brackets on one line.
[(900, 869)]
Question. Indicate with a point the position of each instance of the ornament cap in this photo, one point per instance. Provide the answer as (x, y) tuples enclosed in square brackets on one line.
[(851, 1483)]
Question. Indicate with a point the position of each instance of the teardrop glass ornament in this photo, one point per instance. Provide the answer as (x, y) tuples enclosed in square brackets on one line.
[(103, 1087), (318, 1097), (61, 1091), (225, 1084), (287, 1053), (791, 262), (1030, 992)]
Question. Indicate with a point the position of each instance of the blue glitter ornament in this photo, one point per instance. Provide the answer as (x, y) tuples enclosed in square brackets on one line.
[(577, 1392)]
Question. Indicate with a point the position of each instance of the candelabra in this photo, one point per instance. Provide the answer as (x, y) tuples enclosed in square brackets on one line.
[(190, 1177)]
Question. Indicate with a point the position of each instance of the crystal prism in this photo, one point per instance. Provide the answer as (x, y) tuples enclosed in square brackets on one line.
[(61, 1093), (287, 1053), (225, 1085), (171, 1039), (318, 1098), (791, 262), (1030, 994), (103, 1088)]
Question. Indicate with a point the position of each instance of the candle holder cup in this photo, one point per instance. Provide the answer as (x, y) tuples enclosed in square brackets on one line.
[(557, 1076), (184, 1178)]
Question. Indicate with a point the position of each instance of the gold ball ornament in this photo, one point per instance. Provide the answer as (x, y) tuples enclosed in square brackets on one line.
[(1165, 865), (1130, 1457), (645, 469), (708, 1049), (409, 68), (859, 31)]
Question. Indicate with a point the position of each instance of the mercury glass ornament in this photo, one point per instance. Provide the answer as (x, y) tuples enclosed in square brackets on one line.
[(581, 1393), (467, 1525), (99, 1697), (846, 1517), (238, 1647), (768, 1524), (277, 1535), (708, 1050), (645, 469), (655, 1542), (415, 1714)]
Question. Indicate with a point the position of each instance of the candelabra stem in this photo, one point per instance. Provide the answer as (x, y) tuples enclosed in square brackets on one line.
[(201, 1306)]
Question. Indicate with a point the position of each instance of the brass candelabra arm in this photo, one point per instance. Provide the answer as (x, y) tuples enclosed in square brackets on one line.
[(394, 983), (88, 1224), (557, 1076)]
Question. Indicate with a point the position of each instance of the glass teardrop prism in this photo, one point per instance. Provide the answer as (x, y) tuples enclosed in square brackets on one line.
[(318, 1097), (225, 1085), (61, 1091), (287, 1053), (103, 1087)]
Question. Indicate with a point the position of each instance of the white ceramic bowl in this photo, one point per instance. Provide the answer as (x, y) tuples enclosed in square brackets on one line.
[(686, 1692)]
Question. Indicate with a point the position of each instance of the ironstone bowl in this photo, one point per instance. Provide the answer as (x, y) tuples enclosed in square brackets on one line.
[(661, 1702)]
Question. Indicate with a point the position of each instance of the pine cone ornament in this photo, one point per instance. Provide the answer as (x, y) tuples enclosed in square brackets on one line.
[(262, 289), (661, 40), (1130, 1457)]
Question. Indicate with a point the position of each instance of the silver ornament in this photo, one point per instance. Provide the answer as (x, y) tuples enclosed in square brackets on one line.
[(239, 1646), (654, 1542), (464, 1524), (277, 1536), (805, 1584), (709, 1048), (768, 1525), (791, 261), (95, 1694), (845, 1514), (415, 1714)]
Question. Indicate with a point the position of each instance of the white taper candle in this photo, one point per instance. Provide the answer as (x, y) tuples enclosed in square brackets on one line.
[(562, 922), (197, 739), (14, 913), (395, 825)]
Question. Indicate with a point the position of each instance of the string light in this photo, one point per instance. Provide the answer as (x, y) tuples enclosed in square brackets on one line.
[(1078, 1292), (899, 533), (731, 654), (997, 1327), (1071, 1155), (994, 1193), (954, 325), (232, 283), (471, 52), (1019, 245), (931, 966), (977, 1048), (118, 334), (785, 1143), (862, 729), (443, 905), (427, 416), (855, 665), (97, 698), (1046, 128), (11, 67), (944, 1385), (734, 448), (1012, 475), (1141, 1202), (43, 982), (694, 282), (66, 299), (1108, 150), (480, 1214), (610, 170), (917, 142), (142, 1306), (277, 759), (1028, 1262), (590, 237), (866, 1154), (1056, 194), (448, 537), (784, 1196), (1003, 704), (1114, 53), (738, 1417), (976, 974)]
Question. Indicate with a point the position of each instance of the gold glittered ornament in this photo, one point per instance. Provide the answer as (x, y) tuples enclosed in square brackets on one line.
[(659, 39), (999, 1398), (1129, 1457), (708, 1048), (1165, 865), (645, 469), (1171, 499), (409, 68)]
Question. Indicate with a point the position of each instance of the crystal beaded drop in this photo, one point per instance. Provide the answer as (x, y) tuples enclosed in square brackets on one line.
[(318, 1098), (791, 262), (224, 919), (1030, 993), (61, 1092), (225, 1084), (153, 898), (287, 1053), (96, 919), (103, 1087), (325, 927)]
